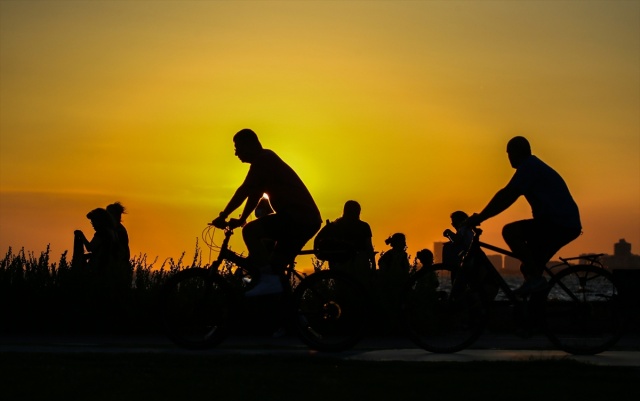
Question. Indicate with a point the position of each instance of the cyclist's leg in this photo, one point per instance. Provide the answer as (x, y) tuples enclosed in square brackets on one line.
[(528, 241), (535, 242), (255, 234), (290, 238), (518, 236), (550, 240)]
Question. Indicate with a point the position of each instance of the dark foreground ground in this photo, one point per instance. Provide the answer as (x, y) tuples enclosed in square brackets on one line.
[(136, 362), (500, 366), (265, 377)]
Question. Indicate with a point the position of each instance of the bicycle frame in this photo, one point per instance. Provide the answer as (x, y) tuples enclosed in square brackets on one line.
[(578, 310), (241, 261), (476, 244), (198, 304)]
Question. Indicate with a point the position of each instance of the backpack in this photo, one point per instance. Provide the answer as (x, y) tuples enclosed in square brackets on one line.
[(330, 246)]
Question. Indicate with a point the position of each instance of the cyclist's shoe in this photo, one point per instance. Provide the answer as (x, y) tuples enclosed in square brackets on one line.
[(531, 286), (268, 284)]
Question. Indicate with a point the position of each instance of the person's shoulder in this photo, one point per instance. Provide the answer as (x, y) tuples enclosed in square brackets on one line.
[(533, 161), (528, 165), (268, 156), (268, 153), (363, 225)]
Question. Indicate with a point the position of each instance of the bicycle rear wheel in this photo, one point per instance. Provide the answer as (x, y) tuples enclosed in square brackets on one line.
[(435, 321), (196, 308), (583, 311), (329, 311)]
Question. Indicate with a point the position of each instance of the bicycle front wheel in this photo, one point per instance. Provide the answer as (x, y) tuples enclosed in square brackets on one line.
[(329, 311), (436, 321), (582, 310), (196, 307)]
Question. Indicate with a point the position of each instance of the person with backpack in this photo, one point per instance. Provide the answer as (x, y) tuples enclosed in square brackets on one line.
[(347, 245)]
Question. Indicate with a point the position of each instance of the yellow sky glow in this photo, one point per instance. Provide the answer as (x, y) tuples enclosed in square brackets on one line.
[(403, 106)]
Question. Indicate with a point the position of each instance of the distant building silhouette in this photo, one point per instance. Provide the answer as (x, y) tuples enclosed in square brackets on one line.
[(622, 257), (511, 265), (496, 260), (437, 251), (622, 248)]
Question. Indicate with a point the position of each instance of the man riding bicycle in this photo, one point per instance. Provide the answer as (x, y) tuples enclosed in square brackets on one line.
[(556, 218), (295, 221)]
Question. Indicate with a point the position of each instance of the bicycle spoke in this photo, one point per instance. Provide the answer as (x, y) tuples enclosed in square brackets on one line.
[(436, 321), (582, 314), (329, 311), (196, 308)]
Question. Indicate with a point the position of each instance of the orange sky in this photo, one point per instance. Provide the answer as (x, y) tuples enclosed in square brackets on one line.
[(403, 106)]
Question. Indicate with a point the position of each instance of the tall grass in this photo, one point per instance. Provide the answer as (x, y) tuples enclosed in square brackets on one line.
[(38, 294)]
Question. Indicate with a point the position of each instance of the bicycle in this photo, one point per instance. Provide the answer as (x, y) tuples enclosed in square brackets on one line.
[(199, 305), (446, 307)]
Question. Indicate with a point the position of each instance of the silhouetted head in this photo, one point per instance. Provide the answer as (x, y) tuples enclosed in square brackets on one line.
[(518, 150), (458, 217), (247, 145), (397, 240), (425, 257), (116, 210), (351, 210), (100, 219)]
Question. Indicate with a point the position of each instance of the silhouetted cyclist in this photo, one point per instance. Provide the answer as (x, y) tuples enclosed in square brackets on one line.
[(296, 218), (556, 218)]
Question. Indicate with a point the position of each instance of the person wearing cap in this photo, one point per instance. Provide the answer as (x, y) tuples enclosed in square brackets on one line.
[(294, 221), (556, 218)]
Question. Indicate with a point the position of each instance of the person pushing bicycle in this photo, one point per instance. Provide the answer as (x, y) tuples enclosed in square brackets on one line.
[(296, 218), (556, 218)]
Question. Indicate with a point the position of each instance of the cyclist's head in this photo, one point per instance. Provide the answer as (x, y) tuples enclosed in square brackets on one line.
[(518, 149), (351, 210), (247, 145), (458, 217)]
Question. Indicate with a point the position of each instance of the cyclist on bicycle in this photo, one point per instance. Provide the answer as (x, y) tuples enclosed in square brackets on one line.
[(295, 221), (556, 218)]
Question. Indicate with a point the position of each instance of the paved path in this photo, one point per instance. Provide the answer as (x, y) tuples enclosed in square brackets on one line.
[(487, 348)]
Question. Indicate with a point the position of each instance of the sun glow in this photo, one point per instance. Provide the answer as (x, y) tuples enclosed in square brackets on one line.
[(405, 107)]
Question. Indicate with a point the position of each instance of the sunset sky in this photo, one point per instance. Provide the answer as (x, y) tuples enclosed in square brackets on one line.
[(405, 107)]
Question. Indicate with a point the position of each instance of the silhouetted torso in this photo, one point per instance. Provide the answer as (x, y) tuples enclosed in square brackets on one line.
[(287, 193), (546, 192)]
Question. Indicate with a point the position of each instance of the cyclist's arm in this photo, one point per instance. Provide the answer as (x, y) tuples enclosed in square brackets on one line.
[(251, 190), (250, 206), (236, 201), (242, 194), (499, 203)]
